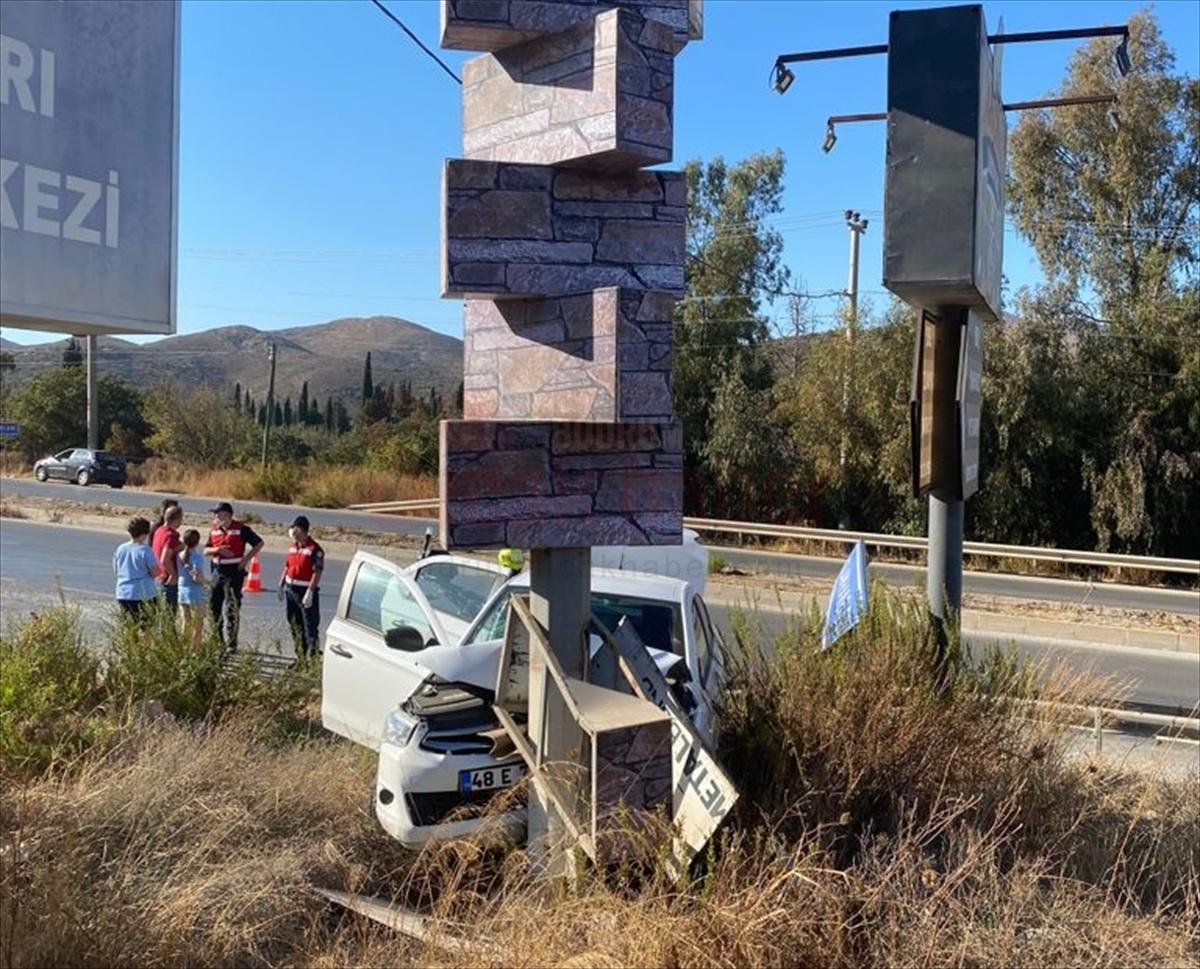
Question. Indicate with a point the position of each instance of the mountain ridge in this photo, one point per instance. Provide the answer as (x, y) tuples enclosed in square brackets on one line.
[(329, 356)]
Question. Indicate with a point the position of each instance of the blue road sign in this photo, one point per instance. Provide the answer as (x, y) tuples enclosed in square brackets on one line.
[(9, 429), (848, 600)]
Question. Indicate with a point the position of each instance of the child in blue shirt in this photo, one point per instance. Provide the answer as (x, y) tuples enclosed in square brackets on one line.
[(136, 570), (192, 587)]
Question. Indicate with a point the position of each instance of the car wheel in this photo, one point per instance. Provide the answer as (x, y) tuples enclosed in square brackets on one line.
[(117, 487), (83, 477), (40, 474)]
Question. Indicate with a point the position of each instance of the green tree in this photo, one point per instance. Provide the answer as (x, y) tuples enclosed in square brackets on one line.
[(368, 382), (52, 409), (302, 407), (199, 427), (1112, 206), (72, 356), (237, 394), (734, 262), (287, 412), (329, 426), (8, 364)]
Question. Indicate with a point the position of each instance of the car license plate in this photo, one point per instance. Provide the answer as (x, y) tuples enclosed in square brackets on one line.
[(490, 778)]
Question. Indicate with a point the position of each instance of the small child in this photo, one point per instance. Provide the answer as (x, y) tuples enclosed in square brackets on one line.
[(192, 585), (136, 570)]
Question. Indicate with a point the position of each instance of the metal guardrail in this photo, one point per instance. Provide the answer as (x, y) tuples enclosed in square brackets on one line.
[(877, 540)]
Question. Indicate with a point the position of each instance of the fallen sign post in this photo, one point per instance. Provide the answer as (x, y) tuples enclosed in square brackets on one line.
[(629, 774)]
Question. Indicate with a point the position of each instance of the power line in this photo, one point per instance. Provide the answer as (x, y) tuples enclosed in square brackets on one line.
[(416, 40)]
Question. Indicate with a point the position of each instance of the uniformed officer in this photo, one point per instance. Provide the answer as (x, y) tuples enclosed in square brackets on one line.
[(298, 587), (231, 545)]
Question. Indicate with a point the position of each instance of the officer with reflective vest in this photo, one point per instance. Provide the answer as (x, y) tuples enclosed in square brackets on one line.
[(231, 546), (298, 588)]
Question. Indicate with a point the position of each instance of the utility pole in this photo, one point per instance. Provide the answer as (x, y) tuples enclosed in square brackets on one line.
[(93, 396), (857, 226), (270, 417)]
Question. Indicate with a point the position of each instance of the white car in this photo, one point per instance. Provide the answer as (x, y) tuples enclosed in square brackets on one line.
[(407, 673)]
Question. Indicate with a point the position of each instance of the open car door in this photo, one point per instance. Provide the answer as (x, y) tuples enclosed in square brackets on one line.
[(373, 648)]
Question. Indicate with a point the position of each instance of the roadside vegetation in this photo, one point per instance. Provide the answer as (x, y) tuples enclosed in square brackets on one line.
[(159, 809)]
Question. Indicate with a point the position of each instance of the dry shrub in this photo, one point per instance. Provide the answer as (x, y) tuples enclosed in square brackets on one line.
[(883, 822), (316, 485)]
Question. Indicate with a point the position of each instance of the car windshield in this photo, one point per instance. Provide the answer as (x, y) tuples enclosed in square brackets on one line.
[(457, 589), (658, 623)]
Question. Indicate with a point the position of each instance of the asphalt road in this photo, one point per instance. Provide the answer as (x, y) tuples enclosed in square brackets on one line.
[(1030, 588), (42, 565)]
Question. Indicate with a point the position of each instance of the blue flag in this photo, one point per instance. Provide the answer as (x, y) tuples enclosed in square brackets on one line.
[(848, 600)]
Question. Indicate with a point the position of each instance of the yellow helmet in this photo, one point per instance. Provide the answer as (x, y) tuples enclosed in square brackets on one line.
[(512, 559)]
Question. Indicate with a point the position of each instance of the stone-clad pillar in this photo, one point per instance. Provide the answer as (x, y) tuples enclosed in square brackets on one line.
[(570, 257)]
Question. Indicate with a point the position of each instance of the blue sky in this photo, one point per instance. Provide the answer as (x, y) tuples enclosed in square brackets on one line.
[(313, 133)]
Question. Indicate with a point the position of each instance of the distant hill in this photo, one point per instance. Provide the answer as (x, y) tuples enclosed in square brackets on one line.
[(328, 355)]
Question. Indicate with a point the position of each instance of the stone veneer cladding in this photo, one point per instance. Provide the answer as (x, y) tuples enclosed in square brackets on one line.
[(571, 260), (538, 230), (599, 93), (494, 24), (600, 356)]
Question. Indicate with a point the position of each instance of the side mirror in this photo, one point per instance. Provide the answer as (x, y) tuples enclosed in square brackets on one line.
[(404, 638)]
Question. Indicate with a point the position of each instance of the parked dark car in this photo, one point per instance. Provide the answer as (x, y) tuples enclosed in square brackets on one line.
[(83, 466)]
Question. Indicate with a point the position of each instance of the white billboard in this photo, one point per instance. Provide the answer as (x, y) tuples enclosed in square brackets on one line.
[(89, 161)]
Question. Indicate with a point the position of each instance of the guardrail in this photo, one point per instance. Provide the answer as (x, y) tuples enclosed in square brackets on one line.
[(877, 540)]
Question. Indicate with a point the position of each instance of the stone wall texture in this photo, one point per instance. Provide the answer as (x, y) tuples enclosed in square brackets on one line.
[(599, 92), (570, 259), (538, 230), (494, 24), (560, 484), (600, 356)]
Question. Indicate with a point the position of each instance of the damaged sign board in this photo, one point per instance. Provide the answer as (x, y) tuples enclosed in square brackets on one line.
[(702, 792), (630, 748), (946, 150)]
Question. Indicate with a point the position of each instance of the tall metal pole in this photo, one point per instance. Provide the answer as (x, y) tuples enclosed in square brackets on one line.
[(93, 395), (944, 566), (270, 416), (560, 599)]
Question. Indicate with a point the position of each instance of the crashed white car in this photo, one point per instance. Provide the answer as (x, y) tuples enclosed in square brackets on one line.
[(412, 656)]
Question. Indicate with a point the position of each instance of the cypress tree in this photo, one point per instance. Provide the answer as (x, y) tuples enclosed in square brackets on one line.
[(368, 384)]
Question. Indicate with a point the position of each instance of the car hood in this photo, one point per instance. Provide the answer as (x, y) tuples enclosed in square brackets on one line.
[(479, 663)]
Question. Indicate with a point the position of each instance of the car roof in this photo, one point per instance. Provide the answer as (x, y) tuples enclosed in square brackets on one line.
[(644, 585)]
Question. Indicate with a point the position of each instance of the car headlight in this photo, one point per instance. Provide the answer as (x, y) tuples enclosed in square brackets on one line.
[(398, 728)]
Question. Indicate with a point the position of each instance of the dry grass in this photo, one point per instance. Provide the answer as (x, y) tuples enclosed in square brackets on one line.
[(317, 486), (883, 822)]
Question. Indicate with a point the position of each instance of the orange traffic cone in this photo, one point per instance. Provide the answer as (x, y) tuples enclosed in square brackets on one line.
[(253, 581)]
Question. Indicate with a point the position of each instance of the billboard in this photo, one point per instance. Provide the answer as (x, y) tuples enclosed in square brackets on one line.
[(946, 143), (89, 155)]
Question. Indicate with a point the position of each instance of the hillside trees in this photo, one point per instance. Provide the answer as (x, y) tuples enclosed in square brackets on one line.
[(1111, 204), (52, 410), (721, 376)]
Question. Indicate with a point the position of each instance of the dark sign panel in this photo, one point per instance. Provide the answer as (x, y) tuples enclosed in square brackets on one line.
[(945, 404), (944, 189)]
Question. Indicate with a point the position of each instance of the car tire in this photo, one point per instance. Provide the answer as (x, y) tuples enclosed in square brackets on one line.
[(41, 474), (117, 487), (83, 478)]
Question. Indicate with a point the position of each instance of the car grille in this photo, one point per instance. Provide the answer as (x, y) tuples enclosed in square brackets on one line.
[(456, 722), (436, 807)]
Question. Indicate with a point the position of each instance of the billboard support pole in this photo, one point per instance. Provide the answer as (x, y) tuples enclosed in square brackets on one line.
[(943, 573), (93, 400), (560, 600)]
